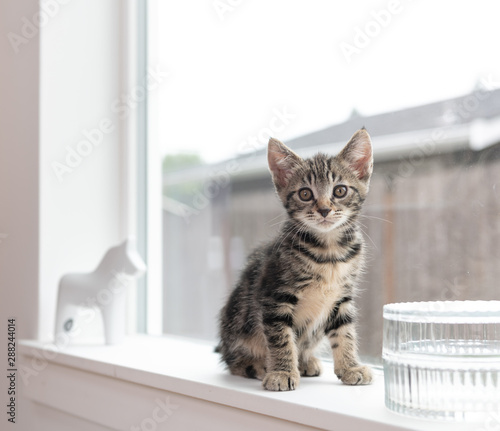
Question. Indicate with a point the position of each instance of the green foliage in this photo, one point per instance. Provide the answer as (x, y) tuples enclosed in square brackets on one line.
[(182, 192), (175, 162)]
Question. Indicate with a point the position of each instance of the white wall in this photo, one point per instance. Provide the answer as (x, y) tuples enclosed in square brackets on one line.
[(59, 81), (19, 172)]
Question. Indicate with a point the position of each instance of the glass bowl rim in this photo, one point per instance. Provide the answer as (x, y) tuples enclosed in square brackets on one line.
[(429, 309)]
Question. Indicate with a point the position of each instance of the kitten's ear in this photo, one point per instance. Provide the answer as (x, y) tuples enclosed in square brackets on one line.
[(358, 154), (282, 161)]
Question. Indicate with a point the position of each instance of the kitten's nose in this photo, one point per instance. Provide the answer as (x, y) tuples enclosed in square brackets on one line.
[(324, 211)]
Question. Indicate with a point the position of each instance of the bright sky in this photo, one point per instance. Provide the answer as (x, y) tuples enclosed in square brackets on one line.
[(231, 67)]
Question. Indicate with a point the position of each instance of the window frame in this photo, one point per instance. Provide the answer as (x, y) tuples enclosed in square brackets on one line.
[(145, 166), (23, 236), (154, 185)]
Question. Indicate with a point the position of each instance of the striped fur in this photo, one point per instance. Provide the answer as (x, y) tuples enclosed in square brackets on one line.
[(299, 288)]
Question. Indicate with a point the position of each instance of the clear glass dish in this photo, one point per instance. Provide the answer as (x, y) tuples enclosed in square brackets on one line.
[(442, 359)]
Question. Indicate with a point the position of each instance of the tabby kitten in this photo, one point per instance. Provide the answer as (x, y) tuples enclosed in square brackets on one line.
[(300, 287)]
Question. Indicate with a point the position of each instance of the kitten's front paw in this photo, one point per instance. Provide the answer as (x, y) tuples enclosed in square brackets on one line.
[(281, 381), (360, 375), (310, 369)]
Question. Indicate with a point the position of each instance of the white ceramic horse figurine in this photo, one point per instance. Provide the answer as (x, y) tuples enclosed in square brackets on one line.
[(105, 288)]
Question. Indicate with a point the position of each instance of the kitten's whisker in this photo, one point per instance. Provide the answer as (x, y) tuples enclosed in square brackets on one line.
[(291, 231), (298, 235), (302, 229), (285, 235), (278, 223), (350, 230), (278, 216), (374, 218), (359, 224), (371, 240), (300, 232)]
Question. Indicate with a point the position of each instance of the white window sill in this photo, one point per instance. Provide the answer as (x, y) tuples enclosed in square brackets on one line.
[(190, 368)]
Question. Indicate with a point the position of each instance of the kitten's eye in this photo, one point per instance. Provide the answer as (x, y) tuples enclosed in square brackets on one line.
[(305, 194), (340, 191)]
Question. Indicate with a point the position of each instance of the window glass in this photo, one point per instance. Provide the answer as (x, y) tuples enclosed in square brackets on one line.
[(422, 77)]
